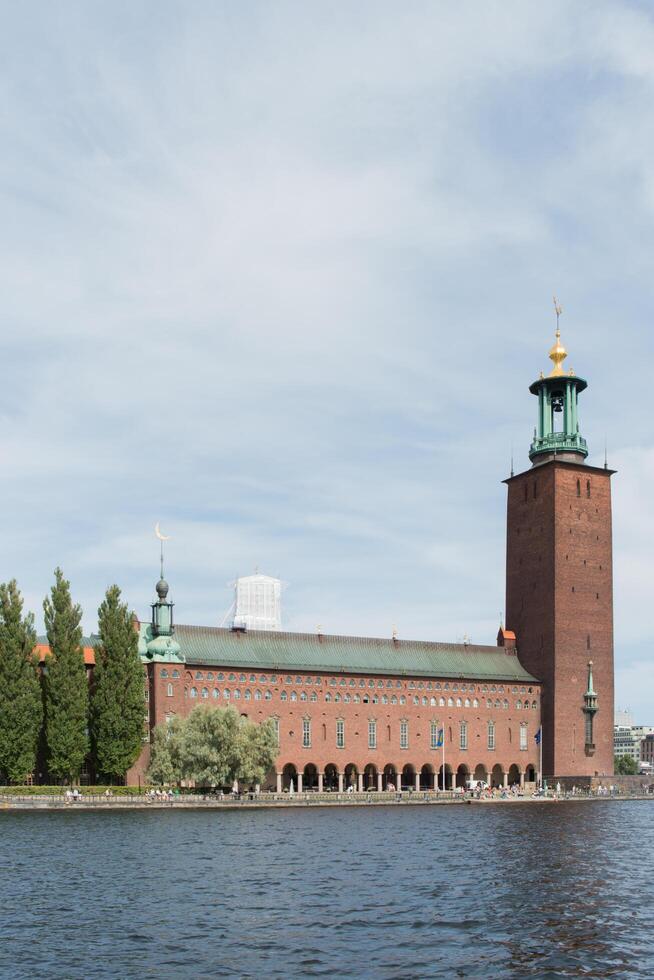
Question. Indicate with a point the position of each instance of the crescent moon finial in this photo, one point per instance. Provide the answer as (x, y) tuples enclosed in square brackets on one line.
[(157, 531)]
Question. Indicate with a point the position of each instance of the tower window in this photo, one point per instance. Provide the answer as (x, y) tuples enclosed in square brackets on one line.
[(588, 642), (588, 488), (579, 488), (535, 489)]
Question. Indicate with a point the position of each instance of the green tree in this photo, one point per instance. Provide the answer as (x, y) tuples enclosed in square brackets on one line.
[(117, 700), (258, 751), (213, 747), (625, 765), (21, 705), (165, 768), (66, 686)]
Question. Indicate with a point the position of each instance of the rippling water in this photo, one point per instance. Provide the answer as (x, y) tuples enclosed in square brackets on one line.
[(524, 890)]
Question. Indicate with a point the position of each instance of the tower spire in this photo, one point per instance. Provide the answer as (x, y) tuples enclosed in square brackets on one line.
[(557, 433)]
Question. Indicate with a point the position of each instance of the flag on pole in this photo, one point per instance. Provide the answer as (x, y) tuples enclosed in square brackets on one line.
[(441, 735), (537, 736)]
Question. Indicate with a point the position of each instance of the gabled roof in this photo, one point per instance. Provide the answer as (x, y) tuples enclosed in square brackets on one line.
[(272, 650)]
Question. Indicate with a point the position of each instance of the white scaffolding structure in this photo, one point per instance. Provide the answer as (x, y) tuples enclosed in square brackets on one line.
[(257, 603)]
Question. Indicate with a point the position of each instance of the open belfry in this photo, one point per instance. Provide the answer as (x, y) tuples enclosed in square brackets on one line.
[(559, 588)]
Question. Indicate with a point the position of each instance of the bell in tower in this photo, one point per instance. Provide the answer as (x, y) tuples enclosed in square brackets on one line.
[(557, 433)]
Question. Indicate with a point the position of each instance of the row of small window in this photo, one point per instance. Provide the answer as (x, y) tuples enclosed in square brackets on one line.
[(227, 695), (436, 734), (419, 685)]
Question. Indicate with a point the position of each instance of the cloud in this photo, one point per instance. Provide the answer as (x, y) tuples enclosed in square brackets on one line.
[(280, 278)]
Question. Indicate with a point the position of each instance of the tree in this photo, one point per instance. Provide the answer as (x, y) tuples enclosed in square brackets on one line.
[(625, 765), (165, 768), (212, 747), (21, 706), (66, 686), (118, 695)]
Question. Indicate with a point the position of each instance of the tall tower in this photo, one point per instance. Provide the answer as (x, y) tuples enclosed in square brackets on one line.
[(559, 580)]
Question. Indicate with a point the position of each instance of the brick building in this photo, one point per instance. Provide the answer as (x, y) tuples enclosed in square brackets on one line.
[(559, 580), (380, 714), (353, 711)]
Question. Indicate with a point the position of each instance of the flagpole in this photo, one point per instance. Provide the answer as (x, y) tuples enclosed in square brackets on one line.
[(540, 746), (443, 756)]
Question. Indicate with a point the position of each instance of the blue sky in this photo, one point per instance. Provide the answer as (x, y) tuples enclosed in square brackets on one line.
[(279, 276)]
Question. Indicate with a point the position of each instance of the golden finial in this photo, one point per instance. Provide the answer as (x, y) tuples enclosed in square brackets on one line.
[(558, 352)]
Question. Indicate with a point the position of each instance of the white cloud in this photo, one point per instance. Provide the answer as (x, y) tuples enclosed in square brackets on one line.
[(280, 278)]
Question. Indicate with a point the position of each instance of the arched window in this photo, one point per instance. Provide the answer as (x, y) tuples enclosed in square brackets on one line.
[(209, 676), (588, 488), (394, 699), (491, 735), (293, 696), (226, 694), (324, 733), (505, 703), (467, 702), (579, 488), (268, 696), (328, 696), (357, 699), (170, 690), (232, 677), (242, 678), (194, 692), (205, 692), (432, 702), (215, 693), (450, 703), (237, 695), (475, 703), (402, 699), (458, 702), (248, 695), (534, 705), (518, 705), (175, 674), (164, 673), (463, 735), (303, 696), (198, 675), (441, 702), (284, 696)]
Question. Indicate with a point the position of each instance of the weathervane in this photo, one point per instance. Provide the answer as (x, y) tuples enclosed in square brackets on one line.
[(558, 310), (162, 538)]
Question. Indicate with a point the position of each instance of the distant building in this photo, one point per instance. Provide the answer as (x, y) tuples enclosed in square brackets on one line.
[(623, 718), (628, 740), (626, 743), (647, 750)]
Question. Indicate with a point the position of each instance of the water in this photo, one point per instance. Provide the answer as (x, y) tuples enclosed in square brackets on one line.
[(512, 891)]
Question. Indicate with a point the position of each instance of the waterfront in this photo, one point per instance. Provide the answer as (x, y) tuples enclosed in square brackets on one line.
[(492, 891)]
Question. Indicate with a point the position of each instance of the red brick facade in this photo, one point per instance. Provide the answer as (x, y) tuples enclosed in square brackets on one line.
[(559, 602), (389, 724)]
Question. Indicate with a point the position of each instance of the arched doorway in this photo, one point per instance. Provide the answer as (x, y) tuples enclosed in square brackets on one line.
[(481, 773), (497, 776), (427, 777), (389, 779), (514, 775), (448, 784), (351, 776), (310, 778), (330, 778), (370, 776), (530, 774), (408, 777), (289, 777), (462, 775)]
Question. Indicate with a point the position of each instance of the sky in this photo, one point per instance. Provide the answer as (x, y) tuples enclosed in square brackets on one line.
[(279, 276)]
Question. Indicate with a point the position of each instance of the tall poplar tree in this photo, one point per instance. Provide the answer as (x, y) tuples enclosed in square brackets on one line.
[(117, 704), (66, 685), (21, 705)]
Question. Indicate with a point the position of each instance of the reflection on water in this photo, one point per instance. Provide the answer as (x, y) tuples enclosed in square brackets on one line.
[(520, 890)]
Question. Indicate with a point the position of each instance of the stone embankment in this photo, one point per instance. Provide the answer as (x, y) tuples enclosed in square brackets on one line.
[(89, 801)]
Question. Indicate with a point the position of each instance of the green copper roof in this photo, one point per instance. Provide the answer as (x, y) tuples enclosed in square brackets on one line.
[(355, 654)]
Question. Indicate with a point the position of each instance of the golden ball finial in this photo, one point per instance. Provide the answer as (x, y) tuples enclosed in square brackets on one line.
[(557, 355)]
